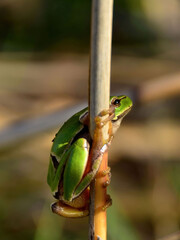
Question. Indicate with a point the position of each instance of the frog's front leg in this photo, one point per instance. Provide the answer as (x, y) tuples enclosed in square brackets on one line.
[(100, 122)]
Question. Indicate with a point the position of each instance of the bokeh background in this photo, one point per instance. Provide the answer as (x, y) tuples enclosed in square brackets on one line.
[(44, 57)]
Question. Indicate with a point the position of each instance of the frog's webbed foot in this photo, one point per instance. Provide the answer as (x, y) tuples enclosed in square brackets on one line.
[(109, 111), (67, 211), (108, 202), (100, 121)]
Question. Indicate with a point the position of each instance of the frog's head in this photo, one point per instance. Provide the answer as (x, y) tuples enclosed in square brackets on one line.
[(122, 105)]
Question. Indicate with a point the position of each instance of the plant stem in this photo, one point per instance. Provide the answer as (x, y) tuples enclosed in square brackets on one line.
[(99, 93)]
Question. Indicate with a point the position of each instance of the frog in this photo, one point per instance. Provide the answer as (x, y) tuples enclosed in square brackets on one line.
[(75, 157)]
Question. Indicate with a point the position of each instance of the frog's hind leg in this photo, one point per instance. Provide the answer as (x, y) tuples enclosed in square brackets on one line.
[(78, 207)]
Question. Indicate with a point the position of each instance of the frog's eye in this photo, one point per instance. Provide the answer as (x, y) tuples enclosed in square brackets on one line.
[(116, 102)]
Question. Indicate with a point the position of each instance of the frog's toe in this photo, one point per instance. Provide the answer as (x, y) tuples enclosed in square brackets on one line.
[(106, 184), (108, 202), (105, 173)]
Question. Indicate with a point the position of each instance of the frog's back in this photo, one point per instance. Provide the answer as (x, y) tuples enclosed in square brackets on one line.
[(61, 143), (66, 134)]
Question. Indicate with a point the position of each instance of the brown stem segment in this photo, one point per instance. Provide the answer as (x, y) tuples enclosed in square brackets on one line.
[(100, 228)]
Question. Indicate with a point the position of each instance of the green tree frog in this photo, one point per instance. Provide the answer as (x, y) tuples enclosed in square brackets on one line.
[(70, 168)]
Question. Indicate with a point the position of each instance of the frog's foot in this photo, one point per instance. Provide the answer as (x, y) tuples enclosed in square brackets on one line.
[(109, 111), (100, 122), (108, 202), (67, 211), (104, 173)]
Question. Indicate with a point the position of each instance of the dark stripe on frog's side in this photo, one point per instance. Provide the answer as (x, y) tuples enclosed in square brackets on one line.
[(54, 161)]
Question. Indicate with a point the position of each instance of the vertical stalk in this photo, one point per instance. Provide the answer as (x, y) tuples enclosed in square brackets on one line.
[(99, 93)]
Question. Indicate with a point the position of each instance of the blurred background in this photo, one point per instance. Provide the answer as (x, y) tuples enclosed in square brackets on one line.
[(44, 57)]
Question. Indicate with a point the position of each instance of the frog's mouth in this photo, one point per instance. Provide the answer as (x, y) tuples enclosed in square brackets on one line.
[(122, 115)]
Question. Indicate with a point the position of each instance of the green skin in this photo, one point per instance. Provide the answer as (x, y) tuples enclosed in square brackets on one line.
[(70, 151)]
